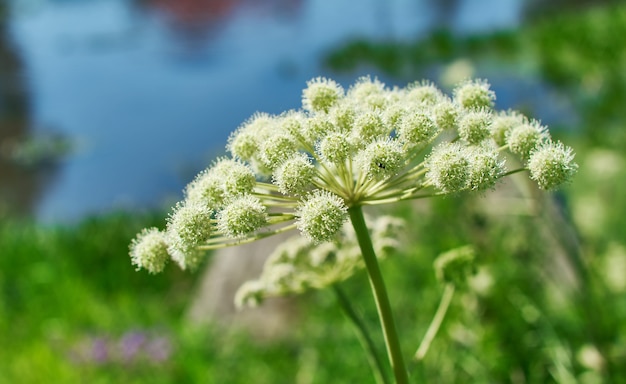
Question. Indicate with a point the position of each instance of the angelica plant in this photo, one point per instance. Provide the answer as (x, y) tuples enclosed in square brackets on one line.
[(313, 170)]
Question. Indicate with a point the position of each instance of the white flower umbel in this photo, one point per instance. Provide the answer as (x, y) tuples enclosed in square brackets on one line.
[(370, 145), (315, 168)]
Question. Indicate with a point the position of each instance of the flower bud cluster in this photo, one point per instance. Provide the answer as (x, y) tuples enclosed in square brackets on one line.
[(367, 145), (455, 265), (297, 265)]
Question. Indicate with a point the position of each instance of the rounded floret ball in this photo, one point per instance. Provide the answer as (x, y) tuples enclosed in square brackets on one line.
[(474, 94), (321, 94), (149, 250), (242, 216), (552, 165), (321, 215)]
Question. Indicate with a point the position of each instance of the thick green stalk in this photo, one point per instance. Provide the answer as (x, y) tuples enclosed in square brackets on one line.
[(379, 290), (364, 336)]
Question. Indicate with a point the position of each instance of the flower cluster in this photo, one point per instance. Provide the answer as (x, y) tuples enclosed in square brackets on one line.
[(298, 264), (366, 145)]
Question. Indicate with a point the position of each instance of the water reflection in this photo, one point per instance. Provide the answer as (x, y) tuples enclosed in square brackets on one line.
[(148, 90), (21, 183), (197, 19)]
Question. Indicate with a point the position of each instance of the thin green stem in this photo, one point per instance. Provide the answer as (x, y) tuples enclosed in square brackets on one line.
[(223, 242), (435, 324), (379, 290), (513, 172), (363, 335)]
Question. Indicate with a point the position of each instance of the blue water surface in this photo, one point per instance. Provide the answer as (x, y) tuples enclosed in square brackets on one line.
[(148, 91)]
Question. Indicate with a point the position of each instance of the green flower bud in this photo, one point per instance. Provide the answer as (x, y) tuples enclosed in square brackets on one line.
[(381, 159), (416, 128), (149, 250), (448, 167), (294, 176), (241, 216), (187, 227), (524, 138), (321, 216), (474, 126), (551, 165), (474, 94), (321, 94), (456, 265), (503, 123)]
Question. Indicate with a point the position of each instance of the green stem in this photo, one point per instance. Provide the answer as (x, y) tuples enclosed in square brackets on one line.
[(379, 290), (364, 336), (435, 324)]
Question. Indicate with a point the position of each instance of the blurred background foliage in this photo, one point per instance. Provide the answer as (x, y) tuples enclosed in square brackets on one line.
[(547, 304)]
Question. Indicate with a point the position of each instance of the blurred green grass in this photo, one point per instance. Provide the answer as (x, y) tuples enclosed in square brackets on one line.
[(548, 303)]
